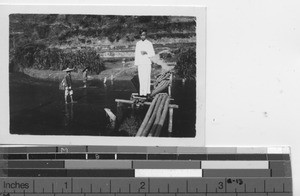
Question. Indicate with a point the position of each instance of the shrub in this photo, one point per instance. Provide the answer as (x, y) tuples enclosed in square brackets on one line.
[(186, 62), (39, 57)]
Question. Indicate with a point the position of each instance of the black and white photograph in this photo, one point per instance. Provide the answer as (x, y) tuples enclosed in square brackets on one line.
[(112, 75)]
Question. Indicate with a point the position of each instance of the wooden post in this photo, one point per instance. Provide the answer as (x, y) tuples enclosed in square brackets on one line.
[(119, 112), (170, 120), (119, 104), (170, 85), (112, 117)]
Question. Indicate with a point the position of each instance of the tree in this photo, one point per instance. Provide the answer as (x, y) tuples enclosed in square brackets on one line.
[(186, 63)]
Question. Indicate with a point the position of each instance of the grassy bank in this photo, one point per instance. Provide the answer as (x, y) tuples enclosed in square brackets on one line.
[(116, 73)]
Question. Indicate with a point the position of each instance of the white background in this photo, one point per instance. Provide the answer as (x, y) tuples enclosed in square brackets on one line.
[(253, 72)]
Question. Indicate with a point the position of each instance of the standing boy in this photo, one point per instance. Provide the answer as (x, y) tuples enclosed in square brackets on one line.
[(143, 52)]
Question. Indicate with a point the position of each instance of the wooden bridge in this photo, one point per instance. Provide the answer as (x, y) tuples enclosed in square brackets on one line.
[(159, 107)]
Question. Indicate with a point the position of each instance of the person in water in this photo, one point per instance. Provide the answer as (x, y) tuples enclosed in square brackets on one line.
[(143, 52), (85, 76), (68, 85)]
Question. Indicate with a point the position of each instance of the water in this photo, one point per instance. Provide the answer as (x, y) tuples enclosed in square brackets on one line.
[(37, 108)]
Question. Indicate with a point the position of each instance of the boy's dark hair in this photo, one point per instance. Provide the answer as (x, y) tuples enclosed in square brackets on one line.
[(143, 30)]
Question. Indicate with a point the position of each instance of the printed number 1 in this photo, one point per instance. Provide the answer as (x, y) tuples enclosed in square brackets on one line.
[(66, 183)]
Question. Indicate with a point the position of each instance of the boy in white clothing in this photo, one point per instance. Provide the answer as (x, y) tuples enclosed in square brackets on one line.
[(143, 52)]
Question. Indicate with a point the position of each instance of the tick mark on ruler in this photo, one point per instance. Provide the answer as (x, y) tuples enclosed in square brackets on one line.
[(71, 185), (110, 186), (187, 186)]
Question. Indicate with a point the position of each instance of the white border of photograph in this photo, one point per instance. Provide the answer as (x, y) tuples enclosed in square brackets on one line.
[(198, 12)]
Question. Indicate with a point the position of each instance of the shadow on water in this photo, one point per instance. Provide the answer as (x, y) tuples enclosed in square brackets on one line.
[(37, 108)]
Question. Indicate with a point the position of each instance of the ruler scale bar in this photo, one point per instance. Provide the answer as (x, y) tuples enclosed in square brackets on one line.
[(145, 185), (144, 171)]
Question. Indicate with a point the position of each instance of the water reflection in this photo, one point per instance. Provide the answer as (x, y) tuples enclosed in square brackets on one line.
[(85, 96), (38, 108), (69, 114)]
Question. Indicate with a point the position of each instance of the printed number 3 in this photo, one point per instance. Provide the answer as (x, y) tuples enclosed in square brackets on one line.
[(221, 185)]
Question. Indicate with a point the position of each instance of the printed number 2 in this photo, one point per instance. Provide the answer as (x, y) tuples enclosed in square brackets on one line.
[(221, 185), (142, 185)]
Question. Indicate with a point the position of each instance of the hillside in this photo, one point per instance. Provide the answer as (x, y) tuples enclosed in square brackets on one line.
[(54, 42)]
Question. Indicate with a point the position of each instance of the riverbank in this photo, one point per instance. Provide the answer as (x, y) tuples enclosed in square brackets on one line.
[(126, 73), (114, 71), (117, 73)]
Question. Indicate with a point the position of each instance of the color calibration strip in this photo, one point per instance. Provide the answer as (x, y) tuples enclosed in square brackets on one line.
[(108, 170)]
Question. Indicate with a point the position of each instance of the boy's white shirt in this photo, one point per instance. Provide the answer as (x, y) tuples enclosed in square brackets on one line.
[(146, 46)]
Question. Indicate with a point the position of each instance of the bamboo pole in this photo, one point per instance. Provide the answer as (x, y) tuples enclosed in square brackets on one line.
[(160, 88), (152, 118), (160, 84), (147, 116), (161, 78), (158, 116), (162, 119)]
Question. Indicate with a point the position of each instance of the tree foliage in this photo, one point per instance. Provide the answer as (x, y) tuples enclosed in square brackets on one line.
[(40, 57), (186, 62)]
